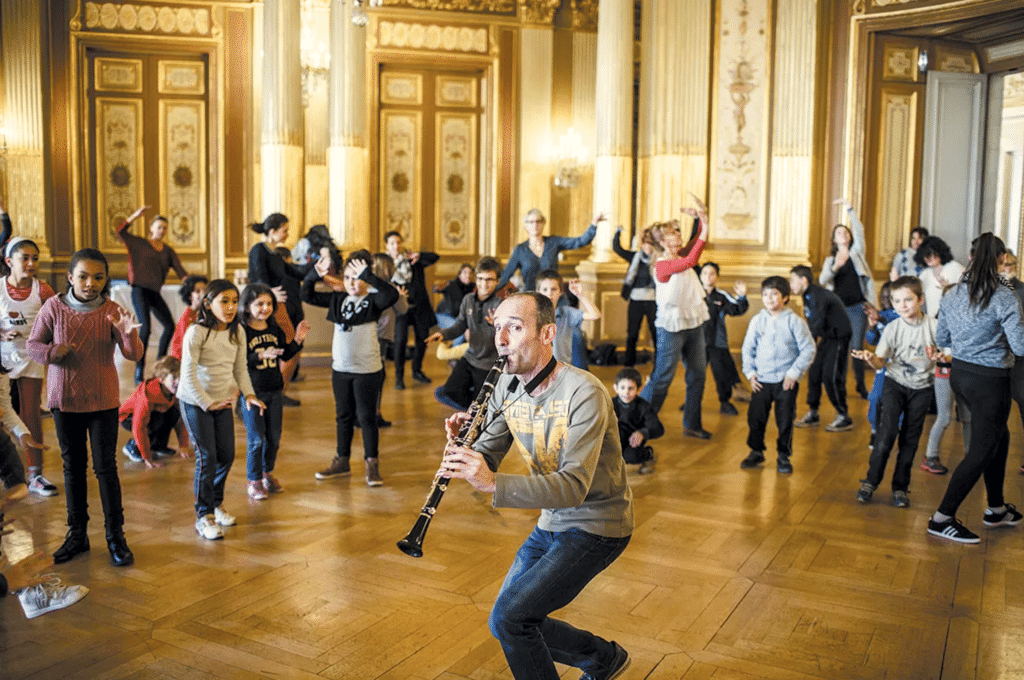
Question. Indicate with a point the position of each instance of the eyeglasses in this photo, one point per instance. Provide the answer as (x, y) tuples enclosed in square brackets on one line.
[(535, 221), (487, 279)]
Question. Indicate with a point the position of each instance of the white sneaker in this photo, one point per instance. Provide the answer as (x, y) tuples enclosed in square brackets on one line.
[(223, 518), (49, 596), (207, 527), (41, 486)]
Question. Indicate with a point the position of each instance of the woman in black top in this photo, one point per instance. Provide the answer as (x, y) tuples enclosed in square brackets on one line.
[(266, 266)]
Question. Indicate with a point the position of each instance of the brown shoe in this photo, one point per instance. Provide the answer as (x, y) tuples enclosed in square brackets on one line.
[(373, 477), (338, 468), (271, 484)]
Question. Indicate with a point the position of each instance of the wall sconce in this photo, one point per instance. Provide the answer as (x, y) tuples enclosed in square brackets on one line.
[(569, 156), (359, 16), (922, 61)]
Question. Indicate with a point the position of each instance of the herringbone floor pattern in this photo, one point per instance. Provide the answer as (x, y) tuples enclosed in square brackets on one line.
[(731, 574)]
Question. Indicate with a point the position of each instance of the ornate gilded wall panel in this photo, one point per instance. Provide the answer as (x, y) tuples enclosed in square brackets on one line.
[(895, 183), (119, 156), (456, 143), (401, 88), (955, 60), (584, 14), (118, 75), (538, 11), (739, 163), (399, 177), (899, 63), (183, 172), (110, 16), (181, 77), (420, 36), (456, 91), (506, 7)]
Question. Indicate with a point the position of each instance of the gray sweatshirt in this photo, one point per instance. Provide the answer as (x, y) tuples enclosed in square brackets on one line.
[(577, 475), (985, 337), (777, 347)]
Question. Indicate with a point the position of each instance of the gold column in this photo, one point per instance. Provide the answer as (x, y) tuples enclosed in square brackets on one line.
[(793, 97), (584, 81), (23, 119), (282, 148), (535, 140), (613, 161), (348, 156), (675, 64)]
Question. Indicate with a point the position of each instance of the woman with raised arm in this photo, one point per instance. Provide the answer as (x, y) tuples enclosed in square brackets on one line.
[(149, 261), (539, 252)]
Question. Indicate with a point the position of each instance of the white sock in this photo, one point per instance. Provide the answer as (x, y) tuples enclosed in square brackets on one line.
[(939, 517)]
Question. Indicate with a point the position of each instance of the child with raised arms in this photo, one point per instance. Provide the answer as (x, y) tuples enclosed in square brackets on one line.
[(265, 348), (355, 357), (75, 335), (191, 293), (213, 363)]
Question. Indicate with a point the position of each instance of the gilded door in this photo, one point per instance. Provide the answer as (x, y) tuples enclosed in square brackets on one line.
[(429, 151), (147, 144)]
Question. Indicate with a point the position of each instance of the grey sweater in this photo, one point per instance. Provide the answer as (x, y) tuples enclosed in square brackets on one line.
[(577, 475), (777, 347), (985, 337)]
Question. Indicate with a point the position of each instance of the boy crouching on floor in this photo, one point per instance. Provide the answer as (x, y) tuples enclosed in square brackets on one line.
[(637, 420), (777, 350), (151, 413)]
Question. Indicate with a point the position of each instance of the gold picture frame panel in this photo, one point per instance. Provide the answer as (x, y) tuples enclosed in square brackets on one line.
[(455, 221), (400, 200), (456, 91), (111, 74), (401, 88), (183, 198), (119, 162), (181, 77)]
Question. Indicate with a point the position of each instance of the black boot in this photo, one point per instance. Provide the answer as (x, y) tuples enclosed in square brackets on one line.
[(140, 370), (75, 543), (120, 555)]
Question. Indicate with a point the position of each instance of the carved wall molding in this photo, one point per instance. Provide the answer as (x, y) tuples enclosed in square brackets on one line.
[(538, 11), (507, 7), (417, 36), (111, 16), (584, 14), (886, 3)]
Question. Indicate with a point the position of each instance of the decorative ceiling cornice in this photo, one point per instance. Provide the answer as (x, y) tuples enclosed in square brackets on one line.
[(584, 14), (503, 7), (538, 11)]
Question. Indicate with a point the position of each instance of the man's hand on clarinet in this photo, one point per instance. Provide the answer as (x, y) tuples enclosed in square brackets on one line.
[(461, 462)]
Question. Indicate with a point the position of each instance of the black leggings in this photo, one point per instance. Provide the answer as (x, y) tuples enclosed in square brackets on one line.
[(145, 301), (987, 395), (355, 396)]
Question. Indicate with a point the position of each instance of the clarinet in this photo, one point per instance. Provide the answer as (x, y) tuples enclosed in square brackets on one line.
[(412, 544)]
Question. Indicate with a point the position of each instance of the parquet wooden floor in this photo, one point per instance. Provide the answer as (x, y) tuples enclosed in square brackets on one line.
[(731, 574)]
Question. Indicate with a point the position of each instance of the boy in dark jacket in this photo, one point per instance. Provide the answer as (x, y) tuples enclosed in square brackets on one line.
[(637, 420), (831, 329), (716, 338)]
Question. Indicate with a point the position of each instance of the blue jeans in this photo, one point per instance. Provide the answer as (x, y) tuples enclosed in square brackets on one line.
[(262, 434), (549, 571), (213, 436), (687, 346), (859, 323), (447, 321)]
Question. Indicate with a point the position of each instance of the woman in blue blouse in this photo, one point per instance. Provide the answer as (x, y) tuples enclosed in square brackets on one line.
[(540, 252)]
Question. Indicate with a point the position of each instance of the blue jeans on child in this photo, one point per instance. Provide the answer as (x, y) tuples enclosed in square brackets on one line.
[(213, 436), (549, 571), (262, 434), (445, 321)]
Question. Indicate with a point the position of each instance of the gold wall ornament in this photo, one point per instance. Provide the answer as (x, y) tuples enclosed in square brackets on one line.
[(955, 60), (400, 180), (182, 172), (455, 222), (134, 18), (538, 11), (507, 7), (899, 63), (584, 14), (401, 88), (181, 77), (886, 3), (119, 163), (118, 75), (417, 36)]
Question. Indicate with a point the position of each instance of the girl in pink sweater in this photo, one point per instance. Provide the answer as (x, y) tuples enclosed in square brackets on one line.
[(74, 337)]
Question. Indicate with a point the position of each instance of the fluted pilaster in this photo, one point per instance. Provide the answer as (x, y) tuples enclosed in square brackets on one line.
[(23, 118), (282, 150), (674, 100), (613, 164), (348, 158), (535, 139), (584, 83), (789, 200)]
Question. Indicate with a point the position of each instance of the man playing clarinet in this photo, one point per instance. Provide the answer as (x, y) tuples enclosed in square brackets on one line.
[(562, 423)]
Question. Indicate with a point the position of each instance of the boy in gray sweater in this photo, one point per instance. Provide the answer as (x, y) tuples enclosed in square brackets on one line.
[(777, 351)]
